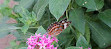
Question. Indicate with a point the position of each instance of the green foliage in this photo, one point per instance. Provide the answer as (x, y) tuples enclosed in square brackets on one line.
[(41, 30), (23, 4), (73, 47), (6, 11), (91, 5), (105, 16), (4, 8), (90, 22), (65, 38), (27, 19), (39, 8), (87, 33), (58, 7), (81, 42), (100, 34), (77, 18)]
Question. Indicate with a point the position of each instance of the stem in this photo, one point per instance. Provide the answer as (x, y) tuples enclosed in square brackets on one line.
[(16, 28), (67, 14)]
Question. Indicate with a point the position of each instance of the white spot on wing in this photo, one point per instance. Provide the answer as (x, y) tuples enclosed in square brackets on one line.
[(63, 21), (65, 25), (56, 29)]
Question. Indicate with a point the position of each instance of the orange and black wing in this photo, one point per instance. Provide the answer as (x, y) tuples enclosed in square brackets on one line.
[(57, 27)]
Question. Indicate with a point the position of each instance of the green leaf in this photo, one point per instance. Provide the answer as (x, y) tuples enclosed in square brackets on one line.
[(77, 33), (106, 17), (25, 28), (26, 18), (72, 47), (58, 7), (87, 33), (39, 8), (101, 34), (81, 42), (6, 11), (25, 4), (41, 30), (34, 18), (91, 4), (64, 36), (77, 18)]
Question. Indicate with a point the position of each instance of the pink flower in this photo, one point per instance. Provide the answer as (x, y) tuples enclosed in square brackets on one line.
[(81, 47), (51, 47), (30, 47), (54, 38), (89, 48), (43, 42)]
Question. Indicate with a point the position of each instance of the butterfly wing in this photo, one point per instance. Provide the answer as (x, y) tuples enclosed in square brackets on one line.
[(57, 27)]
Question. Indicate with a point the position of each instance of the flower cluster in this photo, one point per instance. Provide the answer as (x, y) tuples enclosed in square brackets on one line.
[(41, 42)]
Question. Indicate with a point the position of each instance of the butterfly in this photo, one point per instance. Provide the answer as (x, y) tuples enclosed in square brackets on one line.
[(57, 27)]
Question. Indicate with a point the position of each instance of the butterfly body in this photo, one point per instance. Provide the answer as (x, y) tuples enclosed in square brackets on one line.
[(57, 27)]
